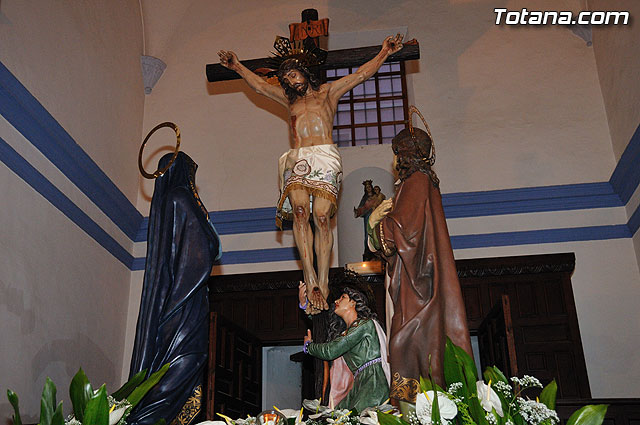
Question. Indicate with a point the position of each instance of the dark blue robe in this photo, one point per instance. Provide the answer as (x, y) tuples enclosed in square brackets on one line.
[(182, 245)]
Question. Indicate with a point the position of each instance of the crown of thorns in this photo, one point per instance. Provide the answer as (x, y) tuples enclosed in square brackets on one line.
[(299, 52)]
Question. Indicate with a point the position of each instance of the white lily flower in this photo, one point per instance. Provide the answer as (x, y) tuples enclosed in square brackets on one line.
[(289, 413), (369, 416), (315, 406), (489, 398), (116, 414), (424, 404), (338, 416)]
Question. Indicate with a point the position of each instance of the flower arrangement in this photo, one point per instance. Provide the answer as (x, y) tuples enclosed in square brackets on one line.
[(91, 407), (468, 400)]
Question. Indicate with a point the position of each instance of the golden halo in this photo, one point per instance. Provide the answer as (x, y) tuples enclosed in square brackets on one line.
[(413, 110), (159, 172)]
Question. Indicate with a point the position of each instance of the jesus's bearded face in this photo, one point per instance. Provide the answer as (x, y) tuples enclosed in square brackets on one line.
[(296, 80)]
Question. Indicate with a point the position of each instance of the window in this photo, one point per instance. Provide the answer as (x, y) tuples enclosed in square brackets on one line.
[(374, 111)]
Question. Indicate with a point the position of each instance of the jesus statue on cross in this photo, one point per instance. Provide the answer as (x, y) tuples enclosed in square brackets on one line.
[(311, 172)]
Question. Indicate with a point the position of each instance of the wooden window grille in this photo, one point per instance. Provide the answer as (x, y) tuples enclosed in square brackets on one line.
[(374, 111)]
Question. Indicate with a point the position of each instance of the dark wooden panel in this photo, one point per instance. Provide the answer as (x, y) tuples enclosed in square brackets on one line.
[(266, 304), (555, 298), (473, 302), (545, 323), (535, 362), (544, 320), (495, 338), (234, 373), (526, 300)]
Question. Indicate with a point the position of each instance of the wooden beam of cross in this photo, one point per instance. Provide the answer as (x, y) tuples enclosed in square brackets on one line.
[(308, 31), (335, 59)]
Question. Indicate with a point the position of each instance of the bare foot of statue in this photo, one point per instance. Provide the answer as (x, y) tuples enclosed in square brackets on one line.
[(305, 299), (317, 299)]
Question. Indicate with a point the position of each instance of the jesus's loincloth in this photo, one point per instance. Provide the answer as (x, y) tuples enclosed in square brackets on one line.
[(316, 169)]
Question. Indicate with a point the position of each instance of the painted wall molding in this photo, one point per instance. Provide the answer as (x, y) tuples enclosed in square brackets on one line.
[(23, 111)]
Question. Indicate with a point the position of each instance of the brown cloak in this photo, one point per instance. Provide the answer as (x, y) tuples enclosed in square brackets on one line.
[(423, 286)]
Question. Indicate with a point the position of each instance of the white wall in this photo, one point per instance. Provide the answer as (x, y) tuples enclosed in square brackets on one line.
[(617, 53), (63, 297), (616, 50)]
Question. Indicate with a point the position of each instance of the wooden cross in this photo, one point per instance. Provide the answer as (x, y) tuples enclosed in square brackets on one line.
[(335, 58)]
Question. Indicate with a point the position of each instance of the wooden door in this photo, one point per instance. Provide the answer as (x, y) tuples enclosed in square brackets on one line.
[(495, 339), (543, 314), (234, 378)]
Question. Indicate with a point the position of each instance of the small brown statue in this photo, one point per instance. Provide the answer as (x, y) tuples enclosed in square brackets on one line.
[(411, 233), (371, 198), (310, 173)]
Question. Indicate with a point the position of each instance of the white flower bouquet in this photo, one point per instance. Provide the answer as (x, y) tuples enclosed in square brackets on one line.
[(468, 400)]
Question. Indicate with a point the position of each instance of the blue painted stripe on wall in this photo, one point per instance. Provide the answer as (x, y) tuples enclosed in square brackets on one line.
[(233, 222), (30, 118), (456, 205), (485, 240), (529, 237), (250, 256), (528, 193), (634, 221), (37, 181), (138, 263), (528, 200), (259, 256), (231, 216), (626, 176)]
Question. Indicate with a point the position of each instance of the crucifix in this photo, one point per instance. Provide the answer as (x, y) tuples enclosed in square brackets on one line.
[(343, 58), (311, 173)]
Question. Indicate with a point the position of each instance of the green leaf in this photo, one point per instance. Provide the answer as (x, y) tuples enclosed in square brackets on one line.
[(477, 412), (80, 392), (428, 385), (452, 369), (460, 367), (406, 408), (518, 419), (435, 410), (548, 395), (592, 414), (13, 399), (468, 367), (425, 385), (143, 388), (57, 418), (163, 422), (125, 390), (389, 419), (494, 374), (97, 410), (47, 402)]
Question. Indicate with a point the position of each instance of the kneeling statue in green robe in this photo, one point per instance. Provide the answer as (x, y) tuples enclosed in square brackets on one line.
[(363, 348)]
